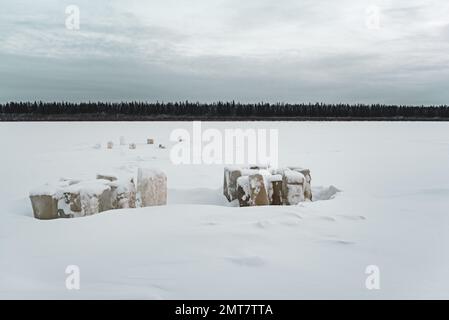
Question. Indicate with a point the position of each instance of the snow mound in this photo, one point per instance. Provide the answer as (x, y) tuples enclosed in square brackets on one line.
[(324, 193)]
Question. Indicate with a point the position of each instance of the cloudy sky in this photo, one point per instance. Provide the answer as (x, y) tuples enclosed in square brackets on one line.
[(386, 51)]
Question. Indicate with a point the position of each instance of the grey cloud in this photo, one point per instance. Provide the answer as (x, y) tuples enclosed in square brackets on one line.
[(249, 51)]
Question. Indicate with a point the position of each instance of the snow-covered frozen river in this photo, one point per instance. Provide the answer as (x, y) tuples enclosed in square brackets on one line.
[(392, 213)]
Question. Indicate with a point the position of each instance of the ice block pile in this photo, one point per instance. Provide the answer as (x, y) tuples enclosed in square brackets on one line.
[(69, 198), (259, 186)]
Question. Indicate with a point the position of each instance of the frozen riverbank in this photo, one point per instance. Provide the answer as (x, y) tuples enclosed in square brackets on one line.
[(392, 213)]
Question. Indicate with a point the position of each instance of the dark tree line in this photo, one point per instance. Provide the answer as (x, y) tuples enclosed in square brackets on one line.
[(218, 110)]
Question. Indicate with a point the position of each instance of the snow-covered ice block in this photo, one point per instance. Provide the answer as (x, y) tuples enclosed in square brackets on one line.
[(252, 191), (293, 194), (126, 195), (293, 177), (84, 198), (123, 193), (259, 195), (292, 187), (71, 198), (151, 187), (44, 199), (44, 206), (275, 189), (287, 186), (307, 182), (243, 191), (231, 174)]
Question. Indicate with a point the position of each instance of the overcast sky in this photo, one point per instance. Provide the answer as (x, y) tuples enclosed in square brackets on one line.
[(208, 50)]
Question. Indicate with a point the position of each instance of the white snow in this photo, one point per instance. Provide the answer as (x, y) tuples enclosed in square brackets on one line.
[(248, 172), (150, 173), (89, 187), (274, 178), (294, 177), (324, 193), (47, 189), (392, 212)]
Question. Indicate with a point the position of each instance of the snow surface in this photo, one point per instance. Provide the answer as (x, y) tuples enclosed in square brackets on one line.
[(392, 212), (294, 177)]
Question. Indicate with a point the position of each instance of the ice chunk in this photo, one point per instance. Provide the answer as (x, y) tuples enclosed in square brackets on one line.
[(293, 177), (231, 175), (294, 194), (243, 191), (44, 206), (292, 187), (71, 198), (275, 192), (307, 182), (251, 191), (84, 198), (151, 187), (123, 193), (259, 195)]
